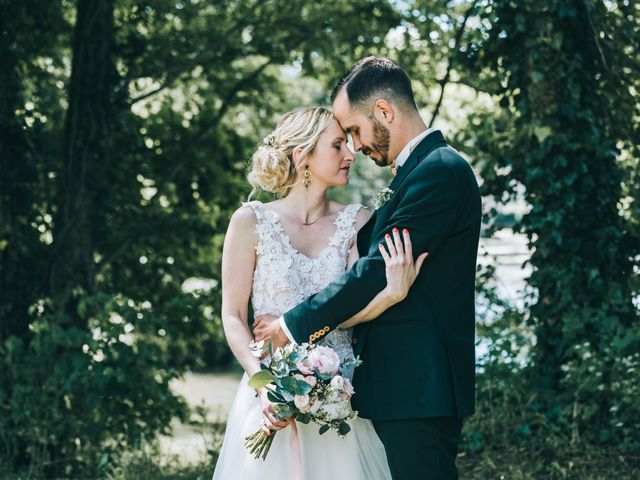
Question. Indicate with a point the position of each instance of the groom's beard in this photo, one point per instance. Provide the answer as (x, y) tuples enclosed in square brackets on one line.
[(380, 144)]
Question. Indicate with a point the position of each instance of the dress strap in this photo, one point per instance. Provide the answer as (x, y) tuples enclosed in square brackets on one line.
[(346, 224), (266, 225), (257, 208)]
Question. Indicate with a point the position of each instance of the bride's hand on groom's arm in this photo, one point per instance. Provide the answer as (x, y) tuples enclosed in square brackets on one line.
[(401, 271), (400, 268)]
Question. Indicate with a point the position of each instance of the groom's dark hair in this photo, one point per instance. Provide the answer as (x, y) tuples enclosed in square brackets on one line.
[(373, 76)]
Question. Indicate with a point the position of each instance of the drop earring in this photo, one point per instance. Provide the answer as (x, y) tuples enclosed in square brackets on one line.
[(306, 177)]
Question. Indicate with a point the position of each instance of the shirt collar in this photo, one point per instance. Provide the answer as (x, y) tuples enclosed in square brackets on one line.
[(408, 148)]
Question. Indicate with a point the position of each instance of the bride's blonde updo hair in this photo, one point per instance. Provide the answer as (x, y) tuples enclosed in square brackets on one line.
[(272, 167)]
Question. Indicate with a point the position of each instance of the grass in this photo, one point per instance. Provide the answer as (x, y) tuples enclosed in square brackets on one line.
[(538, 459), (501, 457)]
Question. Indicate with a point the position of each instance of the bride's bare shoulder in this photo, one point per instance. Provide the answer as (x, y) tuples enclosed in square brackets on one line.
[(244, 220)]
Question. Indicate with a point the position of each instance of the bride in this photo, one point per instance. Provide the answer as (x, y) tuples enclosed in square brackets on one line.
[(276, 255)]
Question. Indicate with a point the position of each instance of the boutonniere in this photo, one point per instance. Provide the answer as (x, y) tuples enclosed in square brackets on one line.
[(383, 197)]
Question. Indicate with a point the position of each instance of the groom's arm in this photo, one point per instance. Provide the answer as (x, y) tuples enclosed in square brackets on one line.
[(428, 208)]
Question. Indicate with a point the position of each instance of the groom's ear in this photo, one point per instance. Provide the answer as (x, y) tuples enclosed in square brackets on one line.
[(383, 111)]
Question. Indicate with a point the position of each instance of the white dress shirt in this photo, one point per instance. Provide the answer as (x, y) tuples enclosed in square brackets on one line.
[(400, 160), (409, 147)]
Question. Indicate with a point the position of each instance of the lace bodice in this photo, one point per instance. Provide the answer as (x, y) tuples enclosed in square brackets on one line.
[(284, 277)]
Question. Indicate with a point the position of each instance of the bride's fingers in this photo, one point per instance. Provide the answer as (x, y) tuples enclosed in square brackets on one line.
[(273, 422), (397, 242), (408, 247), (385, 255), (259, 318), (390, 246), (420, 260), (266, 424)]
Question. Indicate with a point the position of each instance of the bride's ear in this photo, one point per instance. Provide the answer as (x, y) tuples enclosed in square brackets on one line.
[(295, 157)]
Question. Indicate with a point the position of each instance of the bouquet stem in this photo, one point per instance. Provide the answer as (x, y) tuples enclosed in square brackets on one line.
[(259, 443)]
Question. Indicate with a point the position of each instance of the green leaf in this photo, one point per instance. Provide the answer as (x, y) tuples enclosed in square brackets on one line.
[(302, 387), (283, 411), (324, 429), (294, 357), (289, 383), (304, 418), (344, 428), (287, 395), (261, 379), (274, 397), (542, 133)]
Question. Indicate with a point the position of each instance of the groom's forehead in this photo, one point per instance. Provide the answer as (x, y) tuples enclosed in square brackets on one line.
[(351, 122), (341, 105)]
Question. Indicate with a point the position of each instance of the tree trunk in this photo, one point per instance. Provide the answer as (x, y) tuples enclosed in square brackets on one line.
[(88, 138), (18, 239)]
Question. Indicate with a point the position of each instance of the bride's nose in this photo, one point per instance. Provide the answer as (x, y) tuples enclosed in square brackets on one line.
[(349, 156)]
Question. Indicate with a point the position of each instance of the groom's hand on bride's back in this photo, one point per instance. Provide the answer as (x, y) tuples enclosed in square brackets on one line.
[(267, 327)]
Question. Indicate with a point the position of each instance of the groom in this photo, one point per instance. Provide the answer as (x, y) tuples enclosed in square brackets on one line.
[(416, 381)]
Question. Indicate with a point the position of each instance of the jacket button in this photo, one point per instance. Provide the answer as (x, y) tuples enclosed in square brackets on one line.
[(354, 340)]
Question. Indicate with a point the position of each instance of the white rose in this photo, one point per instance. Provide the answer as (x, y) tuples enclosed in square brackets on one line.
[(302, 402), (337, 383), (315, 406), (337, 410)]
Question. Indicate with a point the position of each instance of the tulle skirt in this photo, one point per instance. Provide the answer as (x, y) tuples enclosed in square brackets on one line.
[(358, 456)]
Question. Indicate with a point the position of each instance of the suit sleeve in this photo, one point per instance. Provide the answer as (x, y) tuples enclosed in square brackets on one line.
[(427, 207)]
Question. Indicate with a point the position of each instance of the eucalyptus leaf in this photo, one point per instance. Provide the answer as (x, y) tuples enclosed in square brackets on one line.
[(302, 387), (304, 418), (260, 379)]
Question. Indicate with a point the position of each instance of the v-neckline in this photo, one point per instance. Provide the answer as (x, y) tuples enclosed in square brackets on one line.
[(287, 239)]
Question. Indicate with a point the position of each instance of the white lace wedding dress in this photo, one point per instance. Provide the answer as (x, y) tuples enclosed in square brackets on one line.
[(283, 278)]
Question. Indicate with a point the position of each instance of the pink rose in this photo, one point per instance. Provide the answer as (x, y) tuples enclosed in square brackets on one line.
[(348, 387), (305, 366), (324, 360), (311, 380)]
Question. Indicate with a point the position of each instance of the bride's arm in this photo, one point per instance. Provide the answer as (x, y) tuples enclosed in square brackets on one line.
[(401, 271), (238, 264)]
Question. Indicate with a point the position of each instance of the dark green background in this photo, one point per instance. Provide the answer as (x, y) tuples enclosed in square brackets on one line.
[(125, 131)]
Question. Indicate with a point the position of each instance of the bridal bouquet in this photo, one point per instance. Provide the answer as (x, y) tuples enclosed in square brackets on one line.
[(304, 382)]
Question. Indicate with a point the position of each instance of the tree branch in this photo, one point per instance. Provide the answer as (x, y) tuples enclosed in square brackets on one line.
[(445, 79), (477, 87), (227, 101), (595, 36)]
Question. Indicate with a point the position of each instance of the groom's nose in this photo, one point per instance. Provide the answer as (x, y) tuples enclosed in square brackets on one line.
[(357, 144)]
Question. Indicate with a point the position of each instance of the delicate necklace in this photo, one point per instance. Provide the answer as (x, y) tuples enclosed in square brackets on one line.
[(311, 223)]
